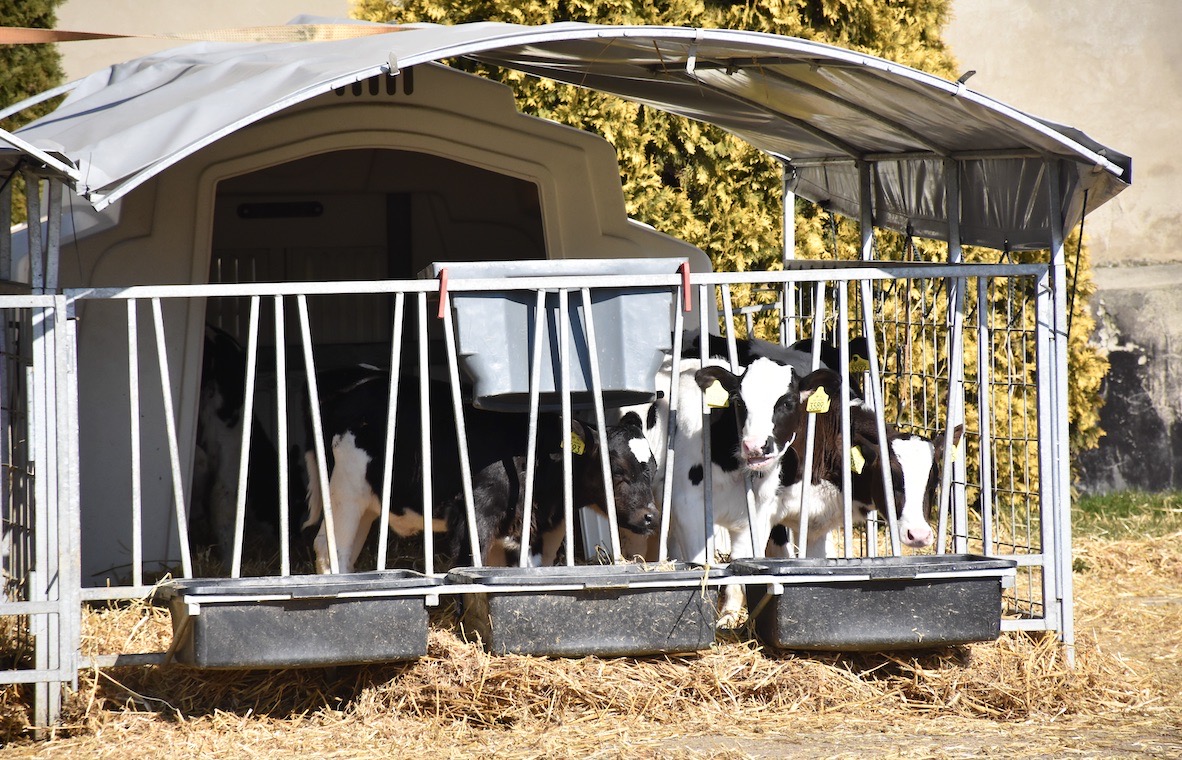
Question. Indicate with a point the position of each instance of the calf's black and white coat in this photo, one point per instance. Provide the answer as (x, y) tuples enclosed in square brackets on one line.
[(354, 424), (912, 458)]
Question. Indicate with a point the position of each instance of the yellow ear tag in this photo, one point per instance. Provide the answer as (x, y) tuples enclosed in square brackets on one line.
[(857, 461), (859, 364), (717, 397), (955, 453), (818, 402), (577, 445)]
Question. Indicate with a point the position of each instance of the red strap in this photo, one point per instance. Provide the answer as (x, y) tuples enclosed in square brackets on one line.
[(442, 293)]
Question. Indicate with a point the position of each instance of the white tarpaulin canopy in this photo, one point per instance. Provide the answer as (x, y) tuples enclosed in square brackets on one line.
[(823, 110)]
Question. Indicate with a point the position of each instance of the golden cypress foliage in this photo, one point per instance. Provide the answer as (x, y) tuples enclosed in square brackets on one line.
[(26, 71), (710, 189)]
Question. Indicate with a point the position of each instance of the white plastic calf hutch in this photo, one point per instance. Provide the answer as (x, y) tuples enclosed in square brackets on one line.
[(289, 194)]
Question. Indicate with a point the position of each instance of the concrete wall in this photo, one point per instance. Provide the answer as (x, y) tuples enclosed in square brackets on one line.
[(1113, 70), (155, 17)]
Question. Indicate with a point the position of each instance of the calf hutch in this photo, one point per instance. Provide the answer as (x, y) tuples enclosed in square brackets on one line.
[(241, 242)]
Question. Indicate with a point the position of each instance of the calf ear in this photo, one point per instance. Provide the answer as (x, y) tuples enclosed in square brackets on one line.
[(938, 443), (584, 437), (633, 419), (707, 376), (869, 448)]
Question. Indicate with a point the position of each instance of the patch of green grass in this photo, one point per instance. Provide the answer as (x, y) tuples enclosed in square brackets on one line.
[(1128, 514)]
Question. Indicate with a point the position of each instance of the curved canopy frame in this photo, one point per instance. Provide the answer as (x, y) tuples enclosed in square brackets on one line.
[(824, 111)]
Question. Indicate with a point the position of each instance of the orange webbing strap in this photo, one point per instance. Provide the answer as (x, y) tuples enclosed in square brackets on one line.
[(18, 35)]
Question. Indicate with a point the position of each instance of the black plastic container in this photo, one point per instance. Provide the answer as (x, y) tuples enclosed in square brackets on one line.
[(878, 603), (299, 621), (608, 610)]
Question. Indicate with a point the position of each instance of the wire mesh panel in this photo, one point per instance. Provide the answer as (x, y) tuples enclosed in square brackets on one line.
[(996, 497), (40, 610)]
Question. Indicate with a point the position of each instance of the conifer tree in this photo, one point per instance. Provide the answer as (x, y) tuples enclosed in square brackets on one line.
[(700, 184), (26, 70)]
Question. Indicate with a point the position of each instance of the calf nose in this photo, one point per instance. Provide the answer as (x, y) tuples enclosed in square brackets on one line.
[(918, 536), (753, 446)]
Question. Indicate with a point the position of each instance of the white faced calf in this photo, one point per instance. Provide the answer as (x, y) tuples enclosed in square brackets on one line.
[(913, 465), (749, 433)]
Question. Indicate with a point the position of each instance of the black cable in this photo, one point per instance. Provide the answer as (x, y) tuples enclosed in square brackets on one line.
[(1075, 275)]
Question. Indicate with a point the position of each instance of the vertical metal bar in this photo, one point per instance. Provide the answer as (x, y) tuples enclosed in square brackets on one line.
[(70, 519), (866, 209), (252, 355), (36, 252), (810, 431), (57, 414), (866, 231), (748, 482), (53, 243), (985, 415), (531, 453), (666, 467), (453, 369), (425, 426), (6, 232), (281, 436), (728, 312), (567, 469), (330, 534), (48, 471), (955, 342), (788, 315), (705, 302), (178, 491), (847, 475), (601, 422), (1061, 474), (41, 572), (879, 402), (1047, 450), (137, 499), (391, 429)]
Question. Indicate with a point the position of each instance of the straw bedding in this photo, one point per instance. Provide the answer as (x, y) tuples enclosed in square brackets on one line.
[(735, 700)]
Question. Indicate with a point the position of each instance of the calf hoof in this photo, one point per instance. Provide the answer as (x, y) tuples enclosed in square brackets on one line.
[(730, 620)]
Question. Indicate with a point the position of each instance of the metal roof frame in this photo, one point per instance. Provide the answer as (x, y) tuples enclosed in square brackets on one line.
[(824, 111)]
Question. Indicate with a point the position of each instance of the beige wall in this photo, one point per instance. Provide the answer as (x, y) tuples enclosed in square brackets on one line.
[(167, 16), (1112, 69)]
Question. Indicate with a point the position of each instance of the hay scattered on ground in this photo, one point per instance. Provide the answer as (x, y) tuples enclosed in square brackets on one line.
[(460, 697)]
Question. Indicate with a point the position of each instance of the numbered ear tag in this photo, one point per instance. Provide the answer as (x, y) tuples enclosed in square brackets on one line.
[(955, 453), (577, 444), (857, 461), (818, 402), (859, 364), (717, 397)]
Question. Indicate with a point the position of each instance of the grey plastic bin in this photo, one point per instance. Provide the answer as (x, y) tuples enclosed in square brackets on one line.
[(609, 614), (299, 621), (879, 603), (495, 332)]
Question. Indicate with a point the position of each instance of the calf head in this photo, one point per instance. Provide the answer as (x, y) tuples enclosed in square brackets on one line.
[(915, 479), (762, 400), (632, 469)]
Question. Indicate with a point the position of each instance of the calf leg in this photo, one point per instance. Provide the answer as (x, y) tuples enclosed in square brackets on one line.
[(733, 598), (551, 541), (352, 502)]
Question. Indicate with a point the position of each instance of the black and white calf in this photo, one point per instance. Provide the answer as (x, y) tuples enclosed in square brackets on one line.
[(354, 419), (749, 429), (912, 459)]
